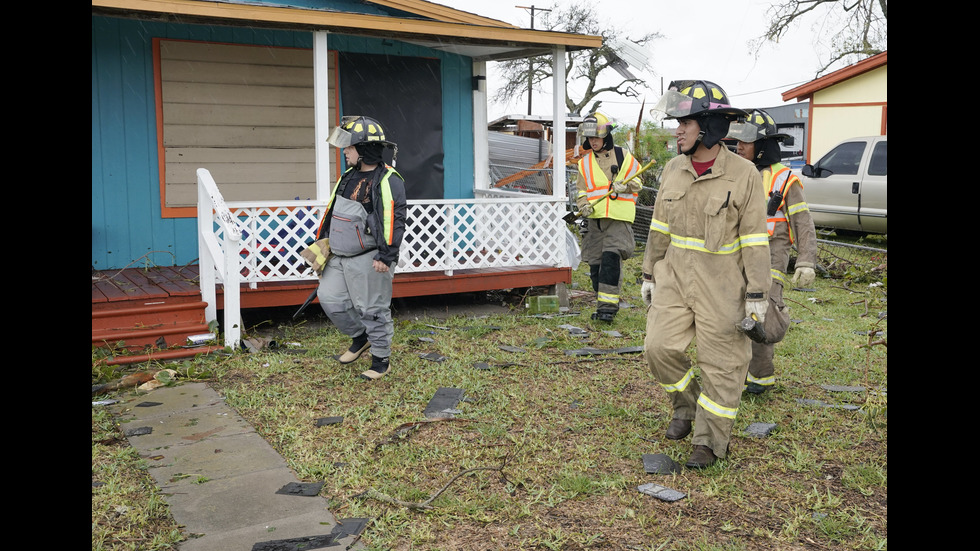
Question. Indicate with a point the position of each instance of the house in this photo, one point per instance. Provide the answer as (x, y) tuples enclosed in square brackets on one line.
[(849, 102), (249, 91), (791, 119)]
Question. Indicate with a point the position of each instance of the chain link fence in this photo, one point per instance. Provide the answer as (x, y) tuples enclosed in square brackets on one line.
[(842, 260)]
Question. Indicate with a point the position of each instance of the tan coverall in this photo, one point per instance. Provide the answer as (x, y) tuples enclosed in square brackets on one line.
[(793, 207), (706, 249)]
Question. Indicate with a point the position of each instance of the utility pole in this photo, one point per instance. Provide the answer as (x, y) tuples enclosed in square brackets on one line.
[(530, 62)]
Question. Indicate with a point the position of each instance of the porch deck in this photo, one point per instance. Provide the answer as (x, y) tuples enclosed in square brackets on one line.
[(118, 289), (152, 309)]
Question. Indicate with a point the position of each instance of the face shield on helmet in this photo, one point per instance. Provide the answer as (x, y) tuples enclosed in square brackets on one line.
[(357, 129), (690, 98), (757, 125), (596, 125), (361, 132)]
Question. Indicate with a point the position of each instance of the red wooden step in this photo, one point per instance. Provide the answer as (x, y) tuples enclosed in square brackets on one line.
[(141, 326)]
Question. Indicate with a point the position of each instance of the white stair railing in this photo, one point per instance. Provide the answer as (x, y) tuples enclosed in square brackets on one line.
[(218, 249), (254, 242)]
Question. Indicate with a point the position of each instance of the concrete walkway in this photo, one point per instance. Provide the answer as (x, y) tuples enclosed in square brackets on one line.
[(226, 486)]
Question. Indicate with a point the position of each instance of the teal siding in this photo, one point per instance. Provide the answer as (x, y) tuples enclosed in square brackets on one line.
[(127, 227)]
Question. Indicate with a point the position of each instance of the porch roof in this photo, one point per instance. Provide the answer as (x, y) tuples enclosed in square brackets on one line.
[(453, 31)]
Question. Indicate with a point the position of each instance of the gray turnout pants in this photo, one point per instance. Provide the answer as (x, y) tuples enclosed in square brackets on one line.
[(357, 299)]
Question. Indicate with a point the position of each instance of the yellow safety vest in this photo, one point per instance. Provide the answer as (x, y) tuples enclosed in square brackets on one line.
[(623, 206)]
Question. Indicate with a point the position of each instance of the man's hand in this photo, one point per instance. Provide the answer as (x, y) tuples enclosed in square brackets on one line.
[(619, 188), (646, 291), (380, 267), (804, 276), (757, 307), (586, 210)]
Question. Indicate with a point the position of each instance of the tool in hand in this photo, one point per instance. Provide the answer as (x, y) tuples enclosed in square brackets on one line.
[(753, 328)]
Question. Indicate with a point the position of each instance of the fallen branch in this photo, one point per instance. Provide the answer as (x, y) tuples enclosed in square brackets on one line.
[(424, 505), (800, 303), (403, 431), (882, 342)]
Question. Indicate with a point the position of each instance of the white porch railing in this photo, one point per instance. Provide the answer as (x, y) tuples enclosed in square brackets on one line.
[(507, 230)]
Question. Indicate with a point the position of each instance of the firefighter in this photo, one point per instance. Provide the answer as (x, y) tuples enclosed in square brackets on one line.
[(364, 221), (607, 199), (788, 222), (705, 268)]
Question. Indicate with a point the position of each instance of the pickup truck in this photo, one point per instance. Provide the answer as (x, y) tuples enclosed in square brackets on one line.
[(847, 190)]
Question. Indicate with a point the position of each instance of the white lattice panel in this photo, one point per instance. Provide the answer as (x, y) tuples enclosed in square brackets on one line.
[(440, 235)]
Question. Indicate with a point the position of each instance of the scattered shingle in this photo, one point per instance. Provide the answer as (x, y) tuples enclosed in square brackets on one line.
[(323, 421), (307, 489), (660, 492), (759, 430), (658, 463)]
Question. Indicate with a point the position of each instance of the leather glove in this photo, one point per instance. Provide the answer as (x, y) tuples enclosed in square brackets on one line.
[(620, 188), (586, 210), (646, 291), (757, 307), (804, 276)]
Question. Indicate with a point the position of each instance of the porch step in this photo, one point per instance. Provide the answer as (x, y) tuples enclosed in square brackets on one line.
[(142, 326)]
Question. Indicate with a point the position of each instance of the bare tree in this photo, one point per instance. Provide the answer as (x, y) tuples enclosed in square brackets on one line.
[(861, 25), (580, 66)]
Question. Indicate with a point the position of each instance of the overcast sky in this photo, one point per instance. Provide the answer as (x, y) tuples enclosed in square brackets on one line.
[(703, 39)]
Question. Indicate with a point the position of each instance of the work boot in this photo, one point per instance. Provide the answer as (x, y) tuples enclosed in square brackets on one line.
[(379, 366), (604, 316), (678, 428), (755, 388), (357, 347), (701, 457)]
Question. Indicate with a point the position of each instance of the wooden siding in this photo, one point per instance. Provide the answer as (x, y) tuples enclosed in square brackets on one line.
[(245, 113), (128, 227)]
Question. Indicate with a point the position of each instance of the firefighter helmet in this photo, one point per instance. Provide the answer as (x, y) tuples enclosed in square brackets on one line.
[(596, 125), (691, 98), (357, 129), (757, 125)]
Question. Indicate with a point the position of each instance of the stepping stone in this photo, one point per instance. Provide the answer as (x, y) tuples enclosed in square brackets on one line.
[(660, 492), (434, 356), (658, 463), (507, 348), (759, 430), (324, 421), (307, 489), (444, 399)]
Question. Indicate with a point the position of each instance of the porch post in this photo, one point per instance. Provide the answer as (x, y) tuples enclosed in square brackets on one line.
[(321, 113), (559, 189), (481, 147)]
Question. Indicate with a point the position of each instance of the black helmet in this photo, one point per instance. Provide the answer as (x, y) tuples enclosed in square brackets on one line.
[(759, 128), (755, 126), (597, 125), (703, 101), (366, 135), (357, 129), (693, 98)]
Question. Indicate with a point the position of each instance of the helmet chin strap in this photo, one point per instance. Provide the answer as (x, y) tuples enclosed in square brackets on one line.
[(697, 142)]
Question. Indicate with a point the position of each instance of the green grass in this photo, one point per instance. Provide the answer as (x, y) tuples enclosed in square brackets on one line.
[(557, 439)]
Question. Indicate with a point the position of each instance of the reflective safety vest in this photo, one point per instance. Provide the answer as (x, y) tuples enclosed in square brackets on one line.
[(623, 206), (779, 177)]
